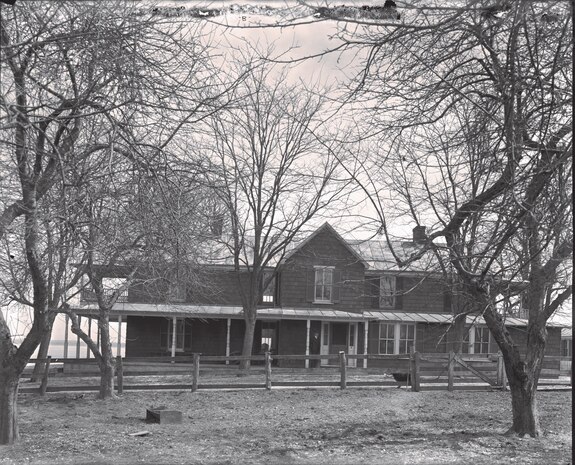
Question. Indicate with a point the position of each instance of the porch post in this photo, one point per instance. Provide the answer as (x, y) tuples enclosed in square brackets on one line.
[(174, 335), (365, 333), (308, 324), (228, 340), (98, 338), (78, 338), (66, 337), (119, 343), (89, 335)]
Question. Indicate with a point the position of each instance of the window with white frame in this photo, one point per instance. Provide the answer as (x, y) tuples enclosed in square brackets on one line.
[(476, 340), (268, 291), (386, 338), (323, 284), (167, 335), (481, 342), (176, 292), (396, 338), (406, 338), (566, 347), (387, 289)]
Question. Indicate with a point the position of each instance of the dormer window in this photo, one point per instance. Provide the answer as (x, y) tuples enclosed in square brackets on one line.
[(323, 284)]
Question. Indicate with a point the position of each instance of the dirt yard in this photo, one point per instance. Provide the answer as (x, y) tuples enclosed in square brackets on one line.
[(307, 426)]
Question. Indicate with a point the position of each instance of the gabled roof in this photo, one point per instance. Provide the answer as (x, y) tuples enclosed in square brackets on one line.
[(378, 256), (326, 227)]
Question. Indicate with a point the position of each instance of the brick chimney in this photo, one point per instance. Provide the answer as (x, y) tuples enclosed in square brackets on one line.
[(419, 235)]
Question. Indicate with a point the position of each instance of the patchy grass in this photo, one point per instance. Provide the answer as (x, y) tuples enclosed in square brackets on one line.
[(307, 426)]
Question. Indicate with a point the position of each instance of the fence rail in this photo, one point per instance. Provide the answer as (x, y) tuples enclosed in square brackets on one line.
[(420, 371)]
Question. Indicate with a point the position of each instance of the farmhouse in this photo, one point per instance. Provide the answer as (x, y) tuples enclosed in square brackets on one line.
[(326, 295)]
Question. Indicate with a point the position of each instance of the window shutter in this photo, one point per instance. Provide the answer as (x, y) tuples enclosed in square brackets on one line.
[(336, 286), (310, 286), (398, 292), (447, 300), (373, 292)]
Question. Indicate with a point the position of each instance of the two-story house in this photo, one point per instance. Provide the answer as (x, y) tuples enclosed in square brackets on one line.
[(328, 294)]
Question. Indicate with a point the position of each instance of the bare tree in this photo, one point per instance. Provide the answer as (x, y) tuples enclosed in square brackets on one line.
[(268, 165), (475, 101), (81, 79), (137, 229)]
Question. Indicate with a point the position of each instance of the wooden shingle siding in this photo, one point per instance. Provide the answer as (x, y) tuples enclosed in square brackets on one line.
[(209, 337), (325, 249), (431, 338), (292, 340), (423, 296), (552, 347), (143, 336)]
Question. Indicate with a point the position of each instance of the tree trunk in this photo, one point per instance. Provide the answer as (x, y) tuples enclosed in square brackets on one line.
[(248, 337), (9, 379), (107, 362), (42, 353), (522, 372), (524, 406)]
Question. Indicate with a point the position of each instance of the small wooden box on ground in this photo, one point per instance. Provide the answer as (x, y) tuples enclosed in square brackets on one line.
[(163, 416)]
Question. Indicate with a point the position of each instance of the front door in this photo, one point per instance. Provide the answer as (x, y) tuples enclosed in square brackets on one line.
[(338, 337)]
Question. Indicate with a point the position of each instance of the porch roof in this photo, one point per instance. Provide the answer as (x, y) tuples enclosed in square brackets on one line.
[(409, 317), (445, 318), (221, 311), (285, 313)]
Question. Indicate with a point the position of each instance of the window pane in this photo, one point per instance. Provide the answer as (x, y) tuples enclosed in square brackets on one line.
[(406, 337), (327, 292), (323, 284), (386, 339)]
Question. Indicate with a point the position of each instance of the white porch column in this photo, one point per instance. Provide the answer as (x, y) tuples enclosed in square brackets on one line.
[(174, 335), (228, 340), (98, 337), (78, 338), (66, 337), (365, 333), (89, 335), (119, 343), (308, 324)]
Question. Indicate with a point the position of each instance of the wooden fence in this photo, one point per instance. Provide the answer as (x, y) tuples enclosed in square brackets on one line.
[(420, 371)]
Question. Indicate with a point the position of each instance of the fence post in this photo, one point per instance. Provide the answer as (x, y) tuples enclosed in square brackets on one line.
[(499, 379), (268, 371), (120, 374), (450, 370), (343, 370), (415, 362), (44, 383), (196, 372)]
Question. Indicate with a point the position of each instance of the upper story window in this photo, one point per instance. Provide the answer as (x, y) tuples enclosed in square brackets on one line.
[(268, 291), (176, 292), (387, 291), (323, 291), (111, 287)]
